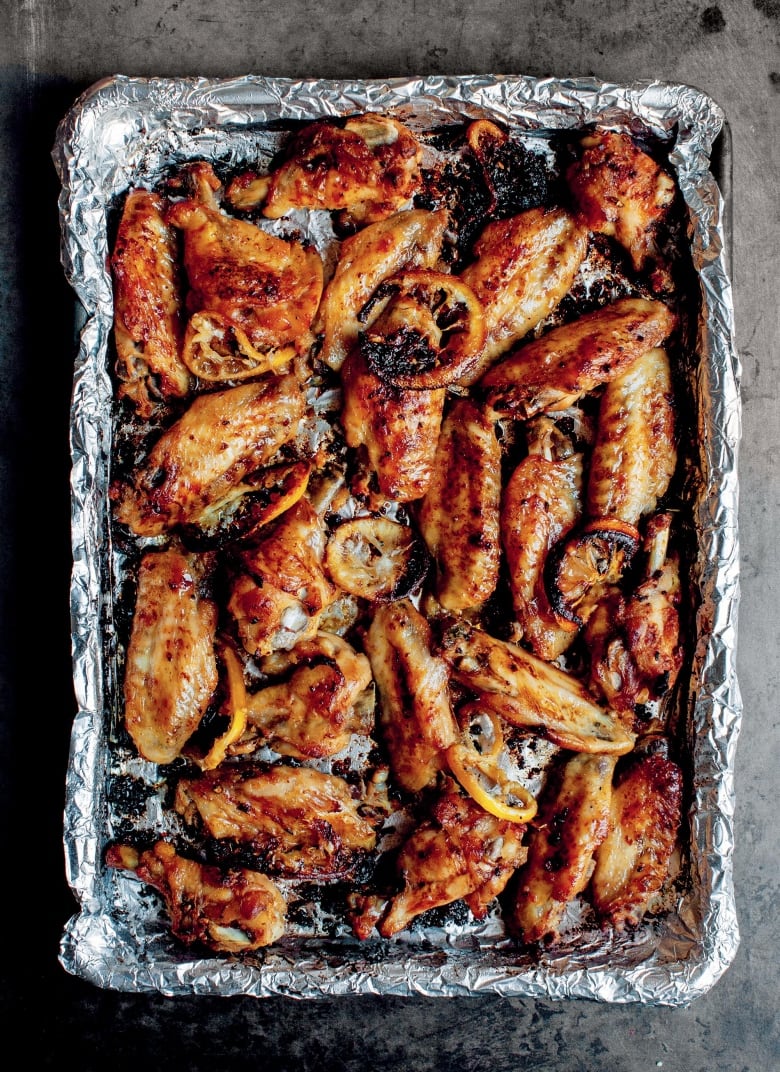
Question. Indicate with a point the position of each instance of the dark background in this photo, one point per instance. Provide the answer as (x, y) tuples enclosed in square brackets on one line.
[(49, 53)]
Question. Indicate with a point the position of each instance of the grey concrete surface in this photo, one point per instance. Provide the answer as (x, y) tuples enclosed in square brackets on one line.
[(49, 52)]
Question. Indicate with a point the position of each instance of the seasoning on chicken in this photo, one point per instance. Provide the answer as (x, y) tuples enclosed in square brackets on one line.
[(396, 430), (459, 515), (194, 468), (458, 852), (633, 861), (529, 692), (300, 822), (171, 665), (522, 269), (410, 239), (230, 911), (572, 822), (620, 191), (541, 502), (148, 315), (635, 453), (416, 721), (573, 359), (278, 586), (252, 295), (367, 167), (312, 712), (633, 638)]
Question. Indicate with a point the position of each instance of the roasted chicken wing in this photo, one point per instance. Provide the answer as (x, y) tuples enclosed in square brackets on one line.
[(230, 911), (368, 167), (300, 822), (252, 296), (459, 516), (411, 239), (194, 468), (573, 359), (460, 851), (416, 721), (278, 586), (396, 429), (572, 822), (620, 191), (171, 665), (522, 269), (633, 861), (148, 305)]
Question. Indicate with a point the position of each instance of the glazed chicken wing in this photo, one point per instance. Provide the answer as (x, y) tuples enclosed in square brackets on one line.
[(252, 295), (171, 666), (397, 429), (312, 712), (527, 691), (230, 911), (459, 516), (460, 851), (571, 824), (195, 466), (540, 504), (278, 586), (302, 822), (573, 359), (411, 239), (633, 861), (416, 720), (620, 191), (368, 167), (148, 318), (523, 267), (635, 453)]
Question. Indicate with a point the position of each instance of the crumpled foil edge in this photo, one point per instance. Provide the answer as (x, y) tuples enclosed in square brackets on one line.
[(110, 137)]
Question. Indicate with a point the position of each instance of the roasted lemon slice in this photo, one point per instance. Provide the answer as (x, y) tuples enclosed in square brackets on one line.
[(216, 349), (475, 761), (237, 704), (580, 568), (376, 558)]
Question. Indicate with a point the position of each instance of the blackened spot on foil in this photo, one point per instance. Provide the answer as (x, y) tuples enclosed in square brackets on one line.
[(711, 20)]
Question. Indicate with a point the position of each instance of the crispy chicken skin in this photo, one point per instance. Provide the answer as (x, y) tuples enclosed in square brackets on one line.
[(620, 191), (311, 713), (541, 502), (572, 822), (635, 453), (415, 720), (573, 359), (302, 822), (148, 317), (278, 586), (633, 861), (230, 911), (527, 691), (397, 428), (460, 851), (204, 455), (171, 666), (268, 287), (368, 167), (523, 267), (410, 239), (459, 516), (633, 638)]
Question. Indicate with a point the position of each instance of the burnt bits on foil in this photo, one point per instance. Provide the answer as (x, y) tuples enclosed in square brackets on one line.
[(125, 131)]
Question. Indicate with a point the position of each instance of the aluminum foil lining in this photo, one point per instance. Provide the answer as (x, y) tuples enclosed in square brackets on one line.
[(127, 130)]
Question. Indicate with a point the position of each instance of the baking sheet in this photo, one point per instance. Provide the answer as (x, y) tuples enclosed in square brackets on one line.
[(125, 131)]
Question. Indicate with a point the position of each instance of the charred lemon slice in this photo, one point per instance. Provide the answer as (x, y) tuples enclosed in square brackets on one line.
[(475, 761), (237, 705), (376, 558), (430, 333), (216, 349), (581, 567)]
